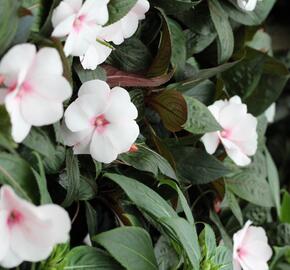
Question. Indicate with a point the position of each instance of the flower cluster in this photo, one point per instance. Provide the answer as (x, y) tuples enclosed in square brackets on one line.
[(84, 27)]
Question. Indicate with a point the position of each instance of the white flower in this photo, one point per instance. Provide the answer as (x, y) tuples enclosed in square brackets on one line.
[(270, 113), (127, 26), (34, 88), (248, 5), (251, 249), (101, 122), (28, 232), (239, 135), (80, 23), (95, 55)]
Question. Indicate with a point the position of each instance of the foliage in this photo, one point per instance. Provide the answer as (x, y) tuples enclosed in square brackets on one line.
[(155, 208)]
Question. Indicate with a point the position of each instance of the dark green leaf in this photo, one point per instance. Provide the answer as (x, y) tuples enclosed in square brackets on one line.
[(130, 246), (88, 75), (144, 197), (224, 30), (8, 22), (88, 258), (197, 166), (285, 213), (186, 236), (147, 160), (199, 119), (73, 175), (14, 171)]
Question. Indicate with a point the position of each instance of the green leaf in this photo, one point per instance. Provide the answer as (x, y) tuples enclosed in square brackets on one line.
[(16, 172), (130, 246), (41, 181), (144, 197), (250, 183), (118, 9), (216, 220), (131, 56), (165, 254), (186, 236), (208, 242), (223, 258), (285, 206), (73, 173), (255, 17), (52, 155), (88, 258), (199, 119), (171, 106), (178, 45), (37, 9), (224, 30), (233, 204), (147, 160), (91, 217), (8, 22), (201, 76), (183, 201), (174, 6), (162, 60), (260, 78), (273, 179), (88, 75), (197, 166)]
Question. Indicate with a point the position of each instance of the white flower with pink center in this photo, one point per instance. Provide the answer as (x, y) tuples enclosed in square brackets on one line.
[(239, 131), (29, 232), (33, 88), (248, 5), (80, 23), (101, 122), (127, 26), (251, 248)]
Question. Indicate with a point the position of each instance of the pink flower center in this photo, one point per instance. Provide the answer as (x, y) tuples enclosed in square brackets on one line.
[(225, 133), (78, 23), (24, 88), (15, 217), (100, 123), (241, 252)]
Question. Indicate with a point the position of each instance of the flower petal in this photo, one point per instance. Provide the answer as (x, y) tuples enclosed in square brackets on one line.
[(79, 114), (46, 62), (51, 87), (4, 234), (235, 153), (129, 24), (39, 111), (11, 260), (60, 223), (95, 87), (102, 148), (120, 107), (20, 127), (96, 11), (18, 60), (211, 141), (123, 135), (231, 114), (247, 5), (64, 27), (96, 54), (75, 4), (61, 12), (141, 7)]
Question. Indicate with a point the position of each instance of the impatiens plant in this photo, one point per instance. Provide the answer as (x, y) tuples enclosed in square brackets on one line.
[(144, 135)]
